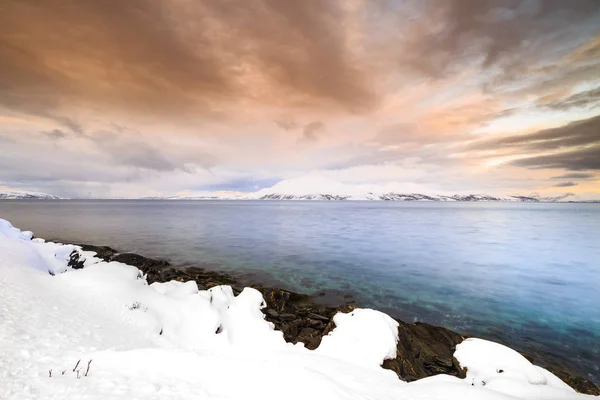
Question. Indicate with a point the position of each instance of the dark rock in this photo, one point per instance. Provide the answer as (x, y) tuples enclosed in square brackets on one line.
[(317, 316), (287, 316), (272, 313), (582, 385), (75, 261), (142, 263), (313, 323), (425, 350), (103, 252), (308, 332)]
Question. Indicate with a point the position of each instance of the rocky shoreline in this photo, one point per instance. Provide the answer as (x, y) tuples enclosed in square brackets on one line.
[(423, 350)]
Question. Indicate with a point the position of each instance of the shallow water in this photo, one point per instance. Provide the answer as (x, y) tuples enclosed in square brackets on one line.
[(524, 274)]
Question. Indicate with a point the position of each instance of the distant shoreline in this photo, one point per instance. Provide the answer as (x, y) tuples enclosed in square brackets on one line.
[(304, 200)]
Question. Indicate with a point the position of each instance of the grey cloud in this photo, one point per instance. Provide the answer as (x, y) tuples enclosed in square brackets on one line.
[(286, 125), (578, 133), (130, 150), (61, 165), (574, 175), (312, 129), (579, 142), (6, 140), (506, 33), (565, 184), (576, 160), (586, 99), (55, 134), (142, 156)]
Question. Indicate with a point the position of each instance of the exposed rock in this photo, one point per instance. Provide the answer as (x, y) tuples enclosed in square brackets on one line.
[(103, 252), (75, 261), (425, 350), (285, 316), (582, 385), (317, 316)]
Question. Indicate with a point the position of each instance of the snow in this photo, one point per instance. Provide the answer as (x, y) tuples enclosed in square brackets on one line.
[(502, 369), (315, 187), (173, 341), (20, 194), (364, 337)]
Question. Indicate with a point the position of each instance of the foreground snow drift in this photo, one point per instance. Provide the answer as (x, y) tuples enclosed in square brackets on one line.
[(103, 332)]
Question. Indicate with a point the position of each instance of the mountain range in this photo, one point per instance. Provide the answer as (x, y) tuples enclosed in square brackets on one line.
[(24, 195), (319, 188)]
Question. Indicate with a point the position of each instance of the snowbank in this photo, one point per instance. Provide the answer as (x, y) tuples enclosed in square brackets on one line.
[(103, 332)]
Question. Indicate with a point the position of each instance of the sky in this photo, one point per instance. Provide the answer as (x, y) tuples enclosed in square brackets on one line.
[(111, 98)]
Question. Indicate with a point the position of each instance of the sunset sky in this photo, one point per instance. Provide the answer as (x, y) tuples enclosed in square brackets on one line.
[(112, 98)]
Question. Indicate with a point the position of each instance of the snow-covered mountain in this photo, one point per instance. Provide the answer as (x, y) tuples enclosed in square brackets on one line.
[(392, 196), (22, 195)]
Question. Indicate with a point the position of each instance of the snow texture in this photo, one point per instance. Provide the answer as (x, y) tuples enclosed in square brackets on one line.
[(102, 332)]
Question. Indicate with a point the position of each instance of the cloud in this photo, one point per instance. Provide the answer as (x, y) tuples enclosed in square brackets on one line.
[(6, 140), (575, 160), (286, 125), (55, 134), (311, 130), (577, 133), (171, 57), (587, 99), (565, 184), (130, 150), (494, 33), (188, 93), (574, 175), (191, 57)]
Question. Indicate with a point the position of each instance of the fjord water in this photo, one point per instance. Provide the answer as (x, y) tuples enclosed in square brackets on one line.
[(524, 274)]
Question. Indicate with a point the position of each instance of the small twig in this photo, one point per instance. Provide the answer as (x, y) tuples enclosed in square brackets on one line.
[(64, 372), (74, 368), (50, 373), (78, 374), (88, 368)]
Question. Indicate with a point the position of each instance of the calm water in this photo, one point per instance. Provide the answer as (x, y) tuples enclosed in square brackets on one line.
[(524, 274)]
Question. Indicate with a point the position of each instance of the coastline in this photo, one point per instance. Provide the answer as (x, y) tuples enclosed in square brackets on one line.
[(423, 349)]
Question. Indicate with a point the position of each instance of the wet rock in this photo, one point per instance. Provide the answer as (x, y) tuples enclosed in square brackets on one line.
[(105, 253), (582, 385), (308, 332), (318, 317), (313, 323), (287, 316), (142, 263)]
